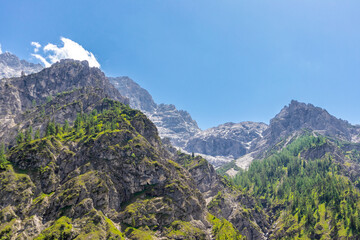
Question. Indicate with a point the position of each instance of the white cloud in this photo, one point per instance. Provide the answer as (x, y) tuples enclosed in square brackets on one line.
[(0, 49), (42, 59), (70, 49), (36, 45)]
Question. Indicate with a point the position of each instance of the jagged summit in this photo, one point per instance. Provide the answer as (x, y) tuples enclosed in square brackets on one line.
[(298, 116), (12, 66)]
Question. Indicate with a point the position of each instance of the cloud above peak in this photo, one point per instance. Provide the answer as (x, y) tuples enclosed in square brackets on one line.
[(36, 45), (70, 49), (0, 49)]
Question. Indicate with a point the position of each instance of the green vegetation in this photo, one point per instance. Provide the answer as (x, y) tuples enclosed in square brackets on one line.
[(316, 200), (139, 234), (185, 230), (61, 229), (223, 229), (117, 117), (226, 167), (190, 162), (3, 160)]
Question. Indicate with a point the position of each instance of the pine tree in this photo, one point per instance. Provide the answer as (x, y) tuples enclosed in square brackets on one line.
[(37, 134), (2, 156), (50, 129), (20, 138), (66, 126), (78, 122), (28, 134)]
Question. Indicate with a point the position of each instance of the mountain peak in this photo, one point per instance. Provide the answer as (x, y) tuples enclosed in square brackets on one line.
[(298, 116)]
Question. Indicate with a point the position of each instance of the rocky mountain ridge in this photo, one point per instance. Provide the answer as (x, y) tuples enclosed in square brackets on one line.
[(17, 95)]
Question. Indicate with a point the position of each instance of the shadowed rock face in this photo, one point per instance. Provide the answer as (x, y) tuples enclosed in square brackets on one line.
[(12, 66), (224, 201)]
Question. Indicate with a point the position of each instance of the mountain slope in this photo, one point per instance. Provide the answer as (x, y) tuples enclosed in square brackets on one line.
[(12, 66), (139, 98), (307, 190)]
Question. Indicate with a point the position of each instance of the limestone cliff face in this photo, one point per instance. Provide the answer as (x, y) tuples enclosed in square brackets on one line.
[(12, 66)]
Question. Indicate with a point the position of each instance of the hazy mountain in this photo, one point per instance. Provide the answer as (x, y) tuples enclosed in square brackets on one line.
[(12, 66), (139, 98), (229, 139), (171, 122)]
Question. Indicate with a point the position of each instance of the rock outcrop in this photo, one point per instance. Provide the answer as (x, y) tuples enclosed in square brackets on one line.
[(139, 98)]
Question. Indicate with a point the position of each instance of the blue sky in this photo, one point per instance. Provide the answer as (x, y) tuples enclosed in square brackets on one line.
[(221, 61)]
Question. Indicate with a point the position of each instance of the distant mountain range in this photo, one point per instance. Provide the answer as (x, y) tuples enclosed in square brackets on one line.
[(12, 66), (242, 141), (230, 141)]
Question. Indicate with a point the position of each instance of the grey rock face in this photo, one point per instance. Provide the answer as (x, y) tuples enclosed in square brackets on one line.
[(12, 66), (171, 122), (174, 124), (229, 139), (139, 98)]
